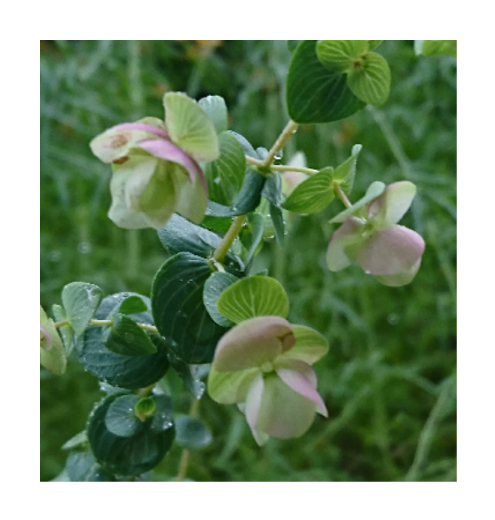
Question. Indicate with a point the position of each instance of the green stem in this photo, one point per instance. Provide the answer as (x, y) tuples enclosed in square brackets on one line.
[(281, 167), (228, 239), (342, 196), (186, 454), (287, 133), (108, 323)]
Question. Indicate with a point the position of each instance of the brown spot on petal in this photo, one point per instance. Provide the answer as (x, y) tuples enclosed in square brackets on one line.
[(121, 160), (288, 340), (118, 140)]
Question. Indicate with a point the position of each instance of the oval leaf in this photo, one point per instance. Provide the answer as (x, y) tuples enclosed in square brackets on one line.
[(133, 305), (345, 173), (128, 456), (178, 309), (120, 418), (370, 80), (130, 372), (226, 175), (80, 301), (128, 338), (339, 55), (180, 235), (314, 93), (216, 110), (214, 286), (254, 296), (313, 194)]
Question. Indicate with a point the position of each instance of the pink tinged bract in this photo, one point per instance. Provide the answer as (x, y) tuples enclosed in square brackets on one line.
[(46, 340), (282, 412), (347, 237), (302, 379), (391, 251), (116, 142), (253, 343)]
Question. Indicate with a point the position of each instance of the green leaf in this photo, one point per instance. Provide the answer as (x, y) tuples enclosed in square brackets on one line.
[(272, 191), (310, 345), (128, 338), (373, 44), (370, 79), (189, 376), (80, 301), (246, 201), (145, 408), (181, 236), (246, 145), (254, 296), (127, 456), (178, 309), (252, 236), (374, 190), (313, 194), (81, 466), (80, 439), (432, 47), (118, 370), (292, 44), (339, 55), (214, 286), (120, 418), (133, 305), (226, 175), (66, 331), (315, 94), (216, 109), (345, 173), (52, 352), (190, 127), (192, 434)]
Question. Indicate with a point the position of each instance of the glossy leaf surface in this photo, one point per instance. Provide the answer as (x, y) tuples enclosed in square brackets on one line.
[(313, 194), (80, 301)]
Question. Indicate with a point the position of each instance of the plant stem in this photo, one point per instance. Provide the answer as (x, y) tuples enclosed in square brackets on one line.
[(229, 238), (185, 456), (342, 196), (287, 133), (281, 167), (108, 323)]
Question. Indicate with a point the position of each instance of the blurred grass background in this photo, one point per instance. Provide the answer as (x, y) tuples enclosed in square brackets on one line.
[(389, 379)]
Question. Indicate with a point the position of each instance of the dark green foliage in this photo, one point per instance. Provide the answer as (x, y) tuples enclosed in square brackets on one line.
[(392, 350)]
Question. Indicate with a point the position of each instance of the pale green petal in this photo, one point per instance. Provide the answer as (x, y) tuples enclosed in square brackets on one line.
[(345, 241), (192, 197), (52, 352), (283, 413), (230, 387), (397, 280), (392, 204), (310, 345)]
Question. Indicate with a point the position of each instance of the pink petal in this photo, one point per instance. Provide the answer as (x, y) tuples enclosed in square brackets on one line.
[(397, 280), (391, 251), (144, 128), (253, 343), (302, 379), (170, 152)]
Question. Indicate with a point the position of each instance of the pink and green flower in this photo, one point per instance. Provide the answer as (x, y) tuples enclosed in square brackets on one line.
[(264, 365), (156, 169), (371, 237)]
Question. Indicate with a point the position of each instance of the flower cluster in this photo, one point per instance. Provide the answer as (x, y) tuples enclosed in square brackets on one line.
[(155, 165), (371, 237), (264, 365)]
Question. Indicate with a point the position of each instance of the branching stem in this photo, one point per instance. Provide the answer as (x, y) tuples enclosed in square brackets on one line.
[(229, 238), (287, 133), (342, 196)]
